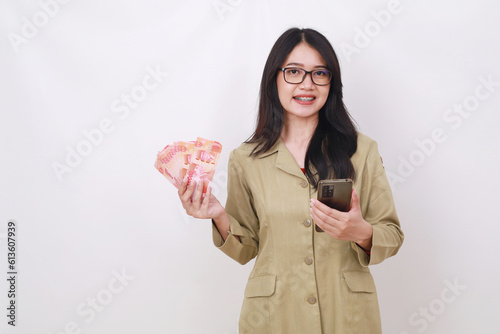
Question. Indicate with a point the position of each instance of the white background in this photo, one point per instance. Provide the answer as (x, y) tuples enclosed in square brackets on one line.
[(64, 74)]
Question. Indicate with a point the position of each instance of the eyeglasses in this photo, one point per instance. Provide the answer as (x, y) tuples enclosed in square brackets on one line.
[(296, 75)]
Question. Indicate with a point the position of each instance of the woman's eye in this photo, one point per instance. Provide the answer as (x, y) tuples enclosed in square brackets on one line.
[(320, 74), (293, 71)]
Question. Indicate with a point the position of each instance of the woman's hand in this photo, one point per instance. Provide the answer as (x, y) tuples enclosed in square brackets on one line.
[(204, 207), (197, 205), (349, 226)]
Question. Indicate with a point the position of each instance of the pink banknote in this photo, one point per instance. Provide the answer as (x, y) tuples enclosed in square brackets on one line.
[(196, 159)]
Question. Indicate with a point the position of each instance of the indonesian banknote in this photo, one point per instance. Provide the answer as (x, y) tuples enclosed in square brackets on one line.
[(196, 159)]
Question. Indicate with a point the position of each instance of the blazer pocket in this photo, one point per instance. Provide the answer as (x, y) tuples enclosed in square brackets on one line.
[(261, 286), (359, 281)]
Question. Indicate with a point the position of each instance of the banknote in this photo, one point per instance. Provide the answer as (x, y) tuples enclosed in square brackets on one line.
[(196, 159), (204, 160)]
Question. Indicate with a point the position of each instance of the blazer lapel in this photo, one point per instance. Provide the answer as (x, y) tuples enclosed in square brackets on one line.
[(286, 162)]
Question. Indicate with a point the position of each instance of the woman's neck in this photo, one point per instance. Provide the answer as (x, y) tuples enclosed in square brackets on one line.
[(298, 132), (296, 137)]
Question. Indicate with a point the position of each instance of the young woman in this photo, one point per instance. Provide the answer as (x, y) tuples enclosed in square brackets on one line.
[(303, 281)]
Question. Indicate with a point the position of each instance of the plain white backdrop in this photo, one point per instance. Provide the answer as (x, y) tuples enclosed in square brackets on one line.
[(92, 90)]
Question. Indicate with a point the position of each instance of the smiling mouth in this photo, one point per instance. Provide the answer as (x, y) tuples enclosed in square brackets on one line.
[(305, 99)]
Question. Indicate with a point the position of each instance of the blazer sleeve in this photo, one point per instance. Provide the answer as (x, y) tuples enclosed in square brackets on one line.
[(243, 219), (377, 206)]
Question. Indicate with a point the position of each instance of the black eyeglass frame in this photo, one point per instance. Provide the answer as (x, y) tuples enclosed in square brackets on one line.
[(306, 73)]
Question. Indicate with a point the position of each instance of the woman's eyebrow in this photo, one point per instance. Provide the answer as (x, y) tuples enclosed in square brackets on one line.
[(299, 64)]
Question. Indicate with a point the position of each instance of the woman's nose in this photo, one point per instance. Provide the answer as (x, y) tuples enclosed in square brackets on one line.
[(307, 82)]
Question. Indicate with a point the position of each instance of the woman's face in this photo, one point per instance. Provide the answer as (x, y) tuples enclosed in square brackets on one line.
[(302, 100)]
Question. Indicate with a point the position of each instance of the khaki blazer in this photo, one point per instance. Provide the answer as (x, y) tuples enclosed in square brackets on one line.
[(303, 281)]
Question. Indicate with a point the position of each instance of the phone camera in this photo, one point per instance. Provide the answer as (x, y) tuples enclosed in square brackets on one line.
[(328, 191)]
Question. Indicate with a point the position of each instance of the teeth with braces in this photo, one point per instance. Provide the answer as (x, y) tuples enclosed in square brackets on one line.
[(304, 98)]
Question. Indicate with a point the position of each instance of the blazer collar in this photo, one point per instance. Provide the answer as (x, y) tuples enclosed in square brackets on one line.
[(275, 148), (284, 159)]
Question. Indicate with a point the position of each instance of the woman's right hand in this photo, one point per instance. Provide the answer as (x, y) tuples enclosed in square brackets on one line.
[(197, 205), (204, 207)]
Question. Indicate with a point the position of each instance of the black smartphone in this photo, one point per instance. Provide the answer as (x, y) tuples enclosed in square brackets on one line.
[(336, 194)]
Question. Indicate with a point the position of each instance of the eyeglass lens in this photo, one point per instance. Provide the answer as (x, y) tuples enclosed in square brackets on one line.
[(297, 75)]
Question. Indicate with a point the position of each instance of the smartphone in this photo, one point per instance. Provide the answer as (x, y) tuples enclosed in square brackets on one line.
[(336, 194)]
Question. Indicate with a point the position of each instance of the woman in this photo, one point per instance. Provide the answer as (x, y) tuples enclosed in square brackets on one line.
[(303, 281)]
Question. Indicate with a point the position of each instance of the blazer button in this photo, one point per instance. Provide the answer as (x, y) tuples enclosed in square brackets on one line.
[(307, 222), (308, 260), (311, 300), (303, 183)]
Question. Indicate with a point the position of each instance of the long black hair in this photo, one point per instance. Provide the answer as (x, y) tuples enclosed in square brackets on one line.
[(335, 138)]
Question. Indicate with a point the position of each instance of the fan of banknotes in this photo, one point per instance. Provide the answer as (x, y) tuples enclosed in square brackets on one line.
[(196, 159)]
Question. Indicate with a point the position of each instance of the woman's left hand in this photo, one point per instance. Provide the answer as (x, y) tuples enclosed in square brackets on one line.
[(349, 226)]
